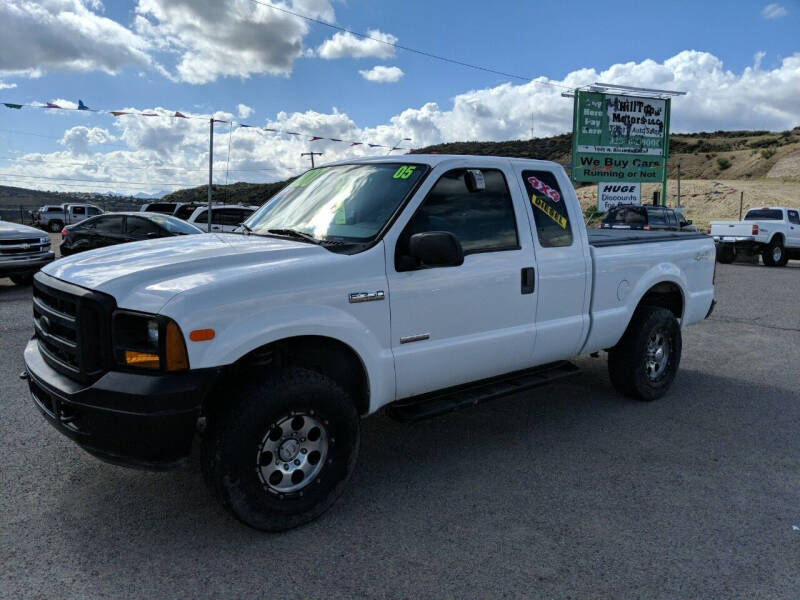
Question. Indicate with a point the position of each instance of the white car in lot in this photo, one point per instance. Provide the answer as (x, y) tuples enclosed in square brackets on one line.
[(418, 285), (773, 232), (225, 218)]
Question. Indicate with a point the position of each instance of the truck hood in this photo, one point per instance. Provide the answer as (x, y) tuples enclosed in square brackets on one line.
[(13, 230), (146, 275)]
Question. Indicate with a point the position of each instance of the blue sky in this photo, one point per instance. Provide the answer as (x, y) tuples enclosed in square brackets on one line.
[(126, 53)]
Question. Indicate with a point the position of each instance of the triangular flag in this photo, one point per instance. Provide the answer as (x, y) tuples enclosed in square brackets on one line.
[(243, 125), (118, 113), (82, 106), (292, 133), (219, 121), (357, 143), (8, 105), (180, 115), (334, 140), (375, 146), (314, 138), (268, 129), (51, 105), (148, 115)]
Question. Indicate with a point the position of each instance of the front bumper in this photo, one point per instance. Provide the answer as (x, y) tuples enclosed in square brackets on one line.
[(132, 419), (18, 265)]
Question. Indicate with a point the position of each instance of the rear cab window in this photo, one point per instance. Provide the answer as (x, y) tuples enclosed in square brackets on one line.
[(794, 217), (764, 214), (626, 215), (550, 212)]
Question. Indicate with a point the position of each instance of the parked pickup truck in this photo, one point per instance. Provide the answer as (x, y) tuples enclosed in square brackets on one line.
[(772, 232), (418, 285), (23, 250), (54, 218)]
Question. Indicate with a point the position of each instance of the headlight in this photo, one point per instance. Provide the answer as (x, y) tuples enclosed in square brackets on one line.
[(144, 341)]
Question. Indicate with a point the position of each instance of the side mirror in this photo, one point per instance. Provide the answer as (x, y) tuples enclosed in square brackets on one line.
[(689, 222), (436, 249)]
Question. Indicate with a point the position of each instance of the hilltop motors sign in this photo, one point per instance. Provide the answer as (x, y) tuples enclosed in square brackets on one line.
[(619, 138), (612, 194)]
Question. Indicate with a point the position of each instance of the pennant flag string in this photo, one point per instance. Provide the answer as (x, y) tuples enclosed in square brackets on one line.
[(179, 115)]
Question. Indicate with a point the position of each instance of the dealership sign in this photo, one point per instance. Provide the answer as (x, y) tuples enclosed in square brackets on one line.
[(611, 194), (619, 137)]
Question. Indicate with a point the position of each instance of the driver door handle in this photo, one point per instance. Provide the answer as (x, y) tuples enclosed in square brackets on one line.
[(528, 280)]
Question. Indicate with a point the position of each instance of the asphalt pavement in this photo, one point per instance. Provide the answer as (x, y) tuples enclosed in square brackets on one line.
[(570, 491)]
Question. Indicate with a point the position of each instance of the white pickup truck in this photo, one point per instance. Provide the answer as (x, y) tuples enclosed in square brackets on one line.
[(773, 232), (418, 285), (54, 217)]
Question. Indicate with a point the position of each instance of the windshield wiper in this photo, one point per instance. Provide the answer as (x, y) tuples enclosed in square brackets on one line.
[(246, 228), (301, 235)]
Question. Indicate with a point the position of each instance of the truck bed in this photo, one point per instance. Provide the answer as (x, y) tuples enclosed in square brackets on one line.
[(622, 237)]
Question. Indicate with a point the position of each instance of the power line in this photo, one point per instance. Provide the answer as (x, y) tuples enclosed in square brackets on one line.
[(15, 176), (407, 48), (126, 166)]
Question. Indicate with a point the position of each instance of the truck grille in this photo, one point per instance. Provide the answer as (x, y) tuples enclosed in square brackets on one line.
[(21, 246), (72, 327)]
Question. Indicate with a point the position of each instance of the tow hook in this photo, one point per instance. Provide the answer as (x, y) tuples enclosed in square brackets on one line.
[(24, 376)]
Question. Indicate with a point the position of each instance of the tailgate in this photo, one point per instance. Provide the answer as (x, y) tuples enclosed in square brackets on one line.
[(732, 228)]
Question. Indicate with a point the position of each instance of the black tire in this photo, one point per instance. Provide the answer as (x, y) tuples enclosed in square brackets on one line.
[(22, 278), (775, 255), (55, 226), (725, 254), (628, 366), (233, 455)]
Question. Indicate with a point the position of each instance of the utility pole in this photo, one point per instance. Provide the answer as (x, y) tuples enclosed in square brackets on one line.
[(741, 202), (679, 184), (312, 155), (210, 166)]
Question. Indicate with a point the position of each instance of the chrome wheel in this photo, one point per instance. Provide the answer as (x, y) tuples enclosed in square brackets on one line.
[(657, 355), (292, 453), (777, 254)]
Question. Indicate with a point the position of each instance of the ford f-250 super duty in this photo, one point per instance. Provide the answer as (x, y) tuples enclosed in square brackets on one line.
[(773, 232), (417, 285)]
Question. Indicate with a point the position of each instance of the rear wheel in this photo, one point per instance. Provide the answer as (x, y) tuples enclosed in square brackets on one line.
[(774, 255), (725, 253), (644, 362), (282, 454), (55, 226)]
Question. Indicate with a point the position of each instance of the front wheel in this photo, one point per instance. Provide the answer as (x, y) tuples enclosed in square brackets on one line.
[(644, 362), (282, 454), (774, 255), (55, 226), (22, 279)]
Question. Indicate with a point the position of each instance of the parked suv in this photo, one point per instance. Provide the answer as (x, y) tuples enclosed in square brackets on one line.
[(225, 218), (627, 216), (54, 218)]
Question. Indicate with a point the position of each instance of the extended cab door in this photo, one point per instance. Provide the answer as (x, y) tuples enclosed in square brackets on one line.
[(563, 282), (793, 234), (452, 325)]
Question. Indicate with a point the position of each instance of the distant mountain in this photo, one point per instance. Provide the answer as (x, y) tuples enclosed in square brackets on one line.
[(15, 201), (234, 193)]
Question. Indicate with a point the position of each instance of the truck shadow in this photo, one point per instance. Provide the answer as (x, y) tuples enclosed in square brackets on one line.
[(499, 474)]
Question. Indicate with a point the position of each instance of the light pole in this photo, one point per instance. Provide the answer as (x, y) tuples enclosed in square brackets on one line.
[(395, 147)]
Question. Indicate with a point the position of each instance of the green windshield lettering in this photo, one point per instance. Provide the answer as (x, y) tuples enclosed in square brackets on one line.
[(404, 172)]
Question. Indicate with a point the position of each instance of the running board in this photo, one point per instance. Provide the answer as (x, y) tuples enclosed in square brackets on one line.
[(425, 406)]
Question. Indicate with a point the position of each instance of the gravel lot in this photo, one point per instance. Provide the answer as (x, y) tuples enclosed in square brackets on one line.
[(567, 492)]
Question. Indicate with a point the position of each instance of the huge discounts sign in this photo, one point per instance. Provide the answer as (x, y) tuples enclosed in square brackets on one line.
[(619, 137)]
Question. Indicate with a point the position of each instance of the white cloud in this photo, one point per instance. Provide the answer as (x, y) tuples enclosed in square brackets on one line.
[(238, 38), (244, 110), (78, 139), (346, 44), (7, 86), (64, 103), (755, 98), (774, 11), (66, 35), (382, 74)]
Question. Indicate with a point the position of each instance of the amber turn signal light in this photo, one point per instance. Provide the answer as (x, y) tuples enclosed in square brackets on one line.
[(175, 349), (142, 360), (202, 335)]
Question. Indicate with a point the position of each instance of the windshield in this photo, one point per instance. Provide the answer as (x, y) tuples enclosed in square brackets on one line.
[(345, 203), (764, 214)]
